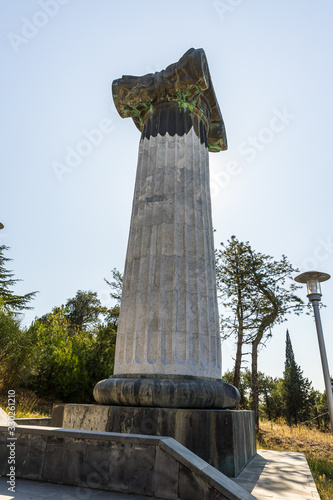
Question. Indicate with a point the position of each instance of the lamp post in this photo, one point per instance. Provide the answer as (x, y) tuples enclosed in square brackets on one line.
[(313, 280)]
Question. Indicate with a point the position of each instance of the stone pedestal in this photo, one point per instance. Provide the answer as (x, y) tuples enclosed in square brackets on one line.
[(223, 438), (168, 350)]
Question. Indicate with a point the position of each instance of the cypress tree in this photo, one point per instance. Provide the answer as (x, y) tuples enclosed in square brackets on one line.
[(295, 387)]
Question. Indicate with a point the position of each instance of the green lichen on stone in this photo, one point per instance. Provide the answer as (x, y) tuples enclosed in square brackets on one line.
[(137, 111), (186, 83)]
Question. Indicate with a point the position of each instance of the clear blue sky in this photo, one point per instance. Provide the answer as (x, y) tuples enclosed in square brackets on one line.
[(271, 65)]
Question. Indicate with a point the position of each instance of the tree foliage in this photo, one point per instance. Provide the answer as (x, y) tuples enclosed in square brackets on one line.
[(296, 388), (269, 391), (116, 285), (112, 315), (272, 400), (67, 363), (253, 287), (10, 301), (15, 344), (64, 353), (235, 290), (83, 310)]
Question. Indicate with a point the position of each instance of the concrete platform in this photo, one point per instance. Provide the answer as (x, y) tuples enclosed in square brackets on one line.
[(271, 475), (278, 475), (35, 490)]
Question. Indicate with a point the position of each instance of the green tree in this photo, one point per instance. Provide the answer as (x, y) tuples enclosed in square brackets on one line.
[(116, 285), (296, 388), (112, 314), (103, 352), (265, 299), (321, 411), (83, 310), (15, 345), (318, 410), (11, 302), (266, 385), (269, 390), (112, 317), (274, 408), (234, 287), (67, 364), (244, 387)]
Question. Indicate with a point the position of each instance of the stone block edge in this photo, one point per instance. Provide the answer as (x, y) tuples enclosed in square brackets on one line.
[(207, 472)]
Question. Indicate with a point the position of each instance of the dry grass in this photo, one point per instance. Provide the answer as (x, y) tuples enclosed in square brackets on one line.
[(28, 405), (317, 447)]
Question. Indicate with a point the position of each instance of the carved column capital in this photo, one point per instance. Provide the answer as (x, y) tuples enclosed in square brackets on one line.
[(186, 82)]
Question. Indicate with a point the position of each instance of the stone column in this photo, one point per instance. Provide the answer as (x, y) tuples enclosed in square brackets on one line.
[(168, 350)]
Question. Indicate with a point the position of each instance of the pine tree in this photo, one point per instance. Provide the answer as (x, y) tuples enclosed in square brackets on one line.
[(296, 388), (9, 301), (259, 291), (234, 287)]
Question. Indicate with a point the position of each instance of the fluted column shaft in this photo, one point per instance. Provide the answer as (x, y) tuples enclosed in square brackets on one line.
[(169, 318)]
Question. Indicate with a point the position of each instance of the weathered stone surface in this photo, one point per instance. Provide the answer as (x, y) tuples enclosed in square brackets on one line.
[(21, 452), (217, 487), (33, 464), (43, 421), (245, 440), (169, 322), (96, 467), (191, 485), (223, 438), (54, 464), (171, 392), (74, 456), (57, 415), (4, 467), (132, 468), (166, 475), (91, 416)]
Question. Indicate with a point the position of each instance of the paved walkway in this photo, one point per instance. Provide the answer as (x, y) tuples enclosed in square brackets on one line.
[(271, 475), (278, 475), (35, 490)]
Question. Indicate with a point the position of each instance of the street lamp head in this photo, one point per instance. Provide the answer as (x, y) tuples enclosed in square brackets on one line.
[(313, 280), (1, 226)]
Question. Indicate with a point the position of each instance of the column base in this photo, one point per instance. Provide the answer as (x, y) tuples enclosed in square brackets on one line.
[(166, 391)]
